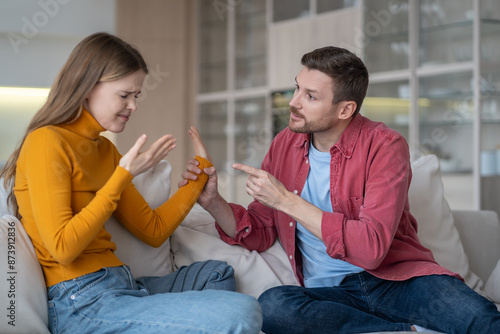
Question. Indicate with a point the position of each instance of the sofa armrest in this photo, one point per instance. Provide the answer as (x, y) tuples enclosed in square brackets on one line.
[(480, 235)]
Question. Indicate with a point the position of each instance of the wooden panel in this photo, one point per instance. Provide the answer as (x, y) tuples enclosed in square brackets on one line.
[(161, 30), (288, 41)]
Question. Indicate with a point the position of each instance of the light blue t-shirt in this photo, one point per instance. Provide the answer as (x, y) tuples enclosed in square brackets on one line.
[(319, 269)]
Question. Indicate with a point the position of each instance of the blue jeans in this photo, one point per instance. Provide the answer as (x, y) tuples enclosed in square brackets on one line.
[(364, 303), (191, 300)]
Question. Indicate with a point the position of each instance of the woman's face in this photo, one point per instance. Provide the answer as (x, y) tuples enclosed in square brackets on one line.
[(112, 102)]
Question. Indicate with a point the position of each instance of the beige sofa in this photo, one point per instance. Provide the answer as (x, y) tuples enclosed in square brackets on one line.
[(467, 242)]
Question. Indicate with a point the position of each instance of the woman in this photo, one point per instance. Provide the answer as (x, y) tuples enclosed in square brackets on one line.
[(68, 180)]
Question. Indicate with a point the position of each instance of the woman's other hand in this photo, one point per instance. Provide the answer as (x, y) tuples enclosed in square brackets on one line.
[(137, 162)]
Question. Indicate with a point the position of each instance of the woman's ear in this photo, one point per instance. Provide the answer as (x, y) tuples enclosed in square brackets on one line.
[(347, 109), (86, 99)]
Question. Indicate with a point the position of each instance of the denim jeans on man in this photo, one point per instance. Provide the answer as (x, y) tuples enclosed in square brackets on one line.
[(364, 303), (191, 300)]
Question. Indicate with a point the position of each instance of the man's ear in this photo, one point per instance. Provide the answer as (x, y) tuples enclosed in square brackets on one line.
[(347, 109)]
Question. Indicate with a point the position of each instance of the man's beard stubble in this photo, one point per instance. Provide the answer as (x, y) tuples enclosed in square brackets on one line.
[(319, 125)]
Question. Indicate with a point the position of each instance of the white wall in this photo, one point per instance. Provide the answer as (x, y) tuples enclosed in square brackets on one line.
[(36, 37)]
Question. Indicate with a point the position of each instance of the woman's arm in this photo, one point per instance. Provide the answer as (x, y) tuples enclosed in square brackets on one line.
[(48, 162), (156, 226)]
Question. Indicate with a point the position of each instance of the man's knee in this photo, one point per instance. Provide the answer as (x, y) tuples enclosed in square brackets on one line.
[(280, 301), (271, 297), (280, 309)]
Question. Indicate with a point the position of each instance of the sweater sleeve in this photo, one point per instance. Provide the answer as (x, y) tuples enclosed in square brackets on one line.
[(49, 175), (155, 226)]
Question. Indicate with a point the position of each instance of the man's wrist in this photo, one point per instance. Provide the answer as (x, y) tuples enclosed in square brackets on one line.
[(288, 203), (214, 205)]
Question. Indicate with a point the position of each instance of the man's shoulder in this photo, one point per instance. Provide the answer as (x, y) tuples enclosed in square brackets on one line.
[(377, 128)]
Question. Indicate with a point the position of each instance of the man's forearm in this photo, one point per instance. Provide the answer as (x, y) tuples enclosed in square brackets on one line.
[(304, 212), (221, 211)]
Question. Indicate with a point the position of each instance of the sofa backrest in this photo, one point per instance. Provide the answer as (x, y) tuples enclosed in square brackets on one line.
[(480, 235)]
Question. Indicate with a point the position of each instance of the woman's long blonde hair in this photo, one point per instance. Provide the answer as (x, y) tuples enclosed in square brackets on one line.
[(99, 57)]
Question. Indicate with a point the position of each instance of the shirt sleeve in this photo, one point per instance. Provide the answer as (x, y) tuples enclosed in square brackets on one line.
[(155, 226), (255, 226), (49, 166), (365, 241)]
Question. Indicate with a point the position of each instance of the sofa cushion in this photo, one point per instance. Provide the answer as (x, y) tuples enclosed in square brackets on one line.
[(144, 260), (197, 240), (436, 228), (4, 207), (22, 286), (479, 231)]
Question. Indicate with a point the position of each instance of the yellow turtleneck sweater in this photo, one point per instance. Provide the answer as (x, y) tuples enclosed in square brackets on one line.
[(68, 183)]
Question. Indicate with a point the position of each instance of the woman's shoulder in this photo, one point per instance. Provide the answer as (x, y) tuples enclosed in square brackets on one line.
[(46, 131), (46, 135)]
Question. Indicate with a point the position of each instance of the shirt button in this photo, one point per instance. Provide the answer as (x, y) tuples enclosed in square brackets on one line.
[(291, 224), (72, 297), (246, 230), (307, 161), (291, 257), (295, 192)]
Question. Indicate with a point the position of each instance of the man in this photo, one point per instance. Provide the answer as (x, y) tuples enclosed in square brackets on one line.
[(334, 188)]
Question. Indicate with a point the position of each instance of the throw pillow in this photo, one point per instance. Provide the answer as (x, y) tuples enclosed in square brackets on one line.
[(197, 240), (144, 260), (22, 286), (436, 228)]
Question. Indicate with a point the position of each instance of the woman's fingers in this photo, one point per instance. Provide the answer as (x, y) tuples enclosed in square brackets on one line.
[(160, 149), (139, 143), (127, 161), (137, 162)]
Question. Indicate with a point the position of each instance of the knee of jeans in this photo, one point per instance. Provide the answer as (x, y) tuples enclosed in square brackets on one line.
[(270, 299), (255, 318), (281, 301), (249, 315)]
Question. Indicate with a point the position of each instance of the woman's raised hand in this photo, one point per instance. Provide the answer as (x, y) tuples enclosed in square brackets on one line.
[(199, 147), (137, 162)]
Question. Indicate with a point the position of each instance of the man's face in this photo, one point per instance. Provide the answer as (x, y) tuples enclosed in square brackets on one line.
[(311, 108)]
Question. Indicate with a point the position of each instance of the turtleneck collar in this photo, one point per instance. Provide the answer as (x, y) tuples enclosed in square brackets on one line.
[(86, 125)]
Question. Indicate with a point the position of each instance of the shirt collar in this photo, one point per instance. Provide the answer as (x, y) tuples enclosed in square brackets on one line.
[(86, 126), (349, 137), (302, 140)]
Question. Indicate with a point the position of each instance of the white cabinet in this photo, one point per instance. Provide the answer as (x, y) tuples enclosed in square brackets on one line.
[(439, 62), (232, 95), (245, 50), (434, 77)]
